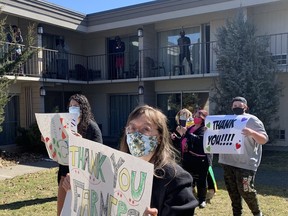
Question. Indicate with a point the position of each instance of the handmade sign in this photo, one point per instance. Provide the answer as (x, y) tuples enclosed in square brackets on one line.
[(53, 128), (105, 181), (224, 134)]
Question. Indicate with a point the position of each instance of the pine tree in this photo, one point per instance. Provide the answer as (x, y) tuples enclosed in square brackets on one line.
[(8, 65), (246, 69)]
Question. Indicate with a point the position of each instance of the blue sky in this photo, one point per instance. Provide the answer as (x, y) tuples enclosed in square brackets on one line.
[(92, 6)]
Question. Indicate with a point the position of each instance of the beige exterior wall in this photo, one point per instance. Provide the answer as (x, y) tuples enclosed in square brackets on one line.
[(91, 40), (271, 19)]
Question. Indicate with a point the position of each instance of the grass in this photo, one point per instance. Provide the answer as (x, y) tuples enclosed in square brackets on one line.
[(31, 194), (35, 194)]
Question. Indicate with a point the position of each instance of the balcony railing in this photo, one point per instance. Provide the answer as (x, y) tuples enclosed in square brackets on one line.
[(160, 63)]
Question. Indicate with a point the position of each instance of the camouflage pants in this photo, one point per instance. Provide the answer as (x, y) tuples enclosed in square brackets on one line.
[(240, 184)]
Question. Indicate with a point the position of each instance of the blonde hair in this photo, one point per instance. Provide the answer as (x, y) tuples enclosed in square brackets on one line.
[(186, 112), (165, 152)]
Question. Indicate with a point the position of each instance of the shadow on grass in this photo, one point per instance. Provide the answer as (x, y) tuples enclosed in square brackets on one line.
[(263, 190), (271, 177), (20, 204)]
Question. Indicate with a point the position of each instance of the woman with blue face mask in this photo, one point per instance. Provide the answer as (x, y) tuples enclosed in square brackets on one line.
[(87, 128), (147, 137)]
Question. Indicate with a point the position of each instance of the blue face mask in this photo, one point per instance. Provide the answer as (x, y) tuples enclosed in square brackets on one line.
[(75, 109), (140, 144)]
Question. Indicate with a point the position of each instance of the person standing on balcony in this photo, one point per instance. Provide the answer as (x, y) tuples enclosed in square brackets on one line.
[(62, 59), (14, 36), (184, 43), (119, 50), (240, 169), (87, 128)]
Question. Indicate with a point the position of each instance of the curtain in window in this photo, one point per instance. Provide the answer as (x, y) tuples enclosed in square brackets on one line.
[(120, 108), (11, 122)]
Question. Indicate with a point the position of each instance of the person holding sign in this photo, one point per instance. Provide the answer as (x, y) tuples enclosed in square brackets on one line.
[(185, 119), (147, 137), (87, 128), (195, 161), (240, 169)]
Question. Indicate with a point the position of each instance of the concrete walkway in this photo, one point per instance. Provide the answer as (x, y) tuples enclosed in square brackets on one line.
[(21, 169), (268, 178), (263, 177)]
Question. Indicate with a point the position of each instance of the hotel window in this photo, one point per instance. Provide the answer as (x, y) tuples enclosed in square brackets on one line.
[(171, 103), (169, 49)]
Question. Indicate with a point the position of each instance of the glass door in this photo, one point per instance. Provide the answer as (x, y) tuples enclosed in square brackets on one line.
[(120, 108)]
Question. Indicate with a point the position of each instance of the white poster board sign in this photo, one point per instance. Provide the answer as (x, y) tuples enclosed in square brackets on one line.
[(53, 128), (105, 181), (223, 134)]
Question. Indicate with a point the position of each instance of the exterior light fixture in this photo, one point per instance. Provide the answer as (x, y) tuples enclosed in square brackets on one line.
[(140, 32), (40, 30), (141, 90), (42, 91)]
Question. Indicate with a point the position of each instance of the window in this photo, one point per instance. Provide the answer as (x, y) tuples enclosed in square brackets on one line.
[(277, 134), (169, 49), (171, 103), (11, 122), (120, 108), (280, 59), (280, 134)]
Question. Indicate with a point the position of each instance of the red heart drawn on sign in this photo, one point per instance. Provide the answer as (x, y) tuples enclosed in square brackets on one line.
[(54, 154), (238, 145), (47, 139)]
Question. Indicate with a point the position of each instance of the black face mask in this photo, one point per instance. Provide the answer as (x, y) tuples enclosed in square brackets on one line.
[(182, 122), (238, 110)]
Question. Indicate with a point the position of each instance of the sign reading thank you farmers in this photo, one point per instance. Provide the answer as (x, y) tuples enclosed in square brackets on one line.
[(105, 181)]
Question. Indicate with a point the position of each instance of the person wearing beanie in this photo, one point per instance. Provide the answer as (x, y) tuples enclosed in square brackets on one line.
[(240, 169)]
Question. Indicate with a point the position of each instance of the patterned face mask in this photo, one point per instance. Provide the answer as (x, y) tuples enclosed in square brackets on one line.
[(140, 144)]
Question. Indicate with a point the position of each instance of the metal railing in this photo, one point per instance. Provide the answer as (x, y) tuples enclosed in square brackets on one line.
[(162, 62), (167, 61)]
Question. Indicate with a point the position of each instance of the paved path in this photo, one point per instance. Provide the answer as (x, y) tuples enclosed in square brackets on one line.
[(21, 169), (263, 177)]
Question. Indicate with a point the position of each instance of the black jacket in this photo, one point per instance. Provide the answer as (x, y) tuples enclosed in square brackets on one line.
[(195, 144), (93, 133), (172, 195)]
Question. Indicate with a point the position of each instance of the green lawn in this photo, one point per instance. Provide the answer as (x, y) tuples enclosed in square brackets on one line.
[(35, 194)]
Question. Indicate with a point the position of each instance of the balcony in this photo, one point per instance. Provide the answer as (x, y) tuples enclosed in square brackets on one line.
[(160, 63)]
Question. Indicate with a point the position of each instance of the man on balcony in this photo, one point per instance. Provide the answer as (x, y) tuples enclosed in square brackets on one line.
[(184, 42), (62, 59), (14, 36)]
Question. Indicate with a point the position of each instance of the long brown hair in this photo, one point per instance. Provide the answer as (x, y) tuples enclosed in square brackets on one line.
[(86, 113), (165, 152)]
